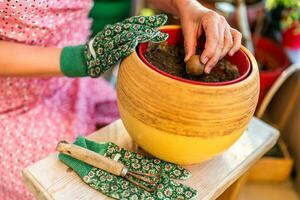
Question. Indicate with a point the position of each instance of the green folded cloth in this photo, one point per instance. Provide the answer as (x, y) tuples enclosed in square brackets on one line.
[(118, 187)]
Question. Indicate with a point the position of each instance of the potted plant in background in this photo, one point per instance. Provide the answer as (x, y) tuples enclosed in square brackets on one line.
[(289, 13)]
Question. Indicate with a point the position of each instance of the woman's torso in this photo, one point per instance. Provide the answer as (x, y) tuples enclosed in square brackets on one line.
[(35, 113)]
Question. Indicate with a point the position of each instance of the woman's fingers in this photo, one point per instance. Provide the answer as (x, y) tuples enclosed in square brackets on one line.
[(212, 61), (190, 38), (211, 30), (237, 38), (219, 44), (228, 42), (221, 39)]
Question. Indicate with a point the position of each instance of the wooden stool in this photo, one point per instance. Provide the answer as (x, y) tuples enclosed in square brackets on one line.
[(276, 109), (51, 179)]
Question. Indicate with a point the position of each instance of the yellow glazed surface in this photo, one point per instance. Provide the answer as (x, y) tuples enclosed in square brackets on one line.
[(178, 149), (181, 122)]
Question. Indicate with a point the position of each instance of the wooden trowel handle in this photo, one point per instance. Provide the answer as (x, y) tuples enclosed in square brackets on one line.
[(91, 158)]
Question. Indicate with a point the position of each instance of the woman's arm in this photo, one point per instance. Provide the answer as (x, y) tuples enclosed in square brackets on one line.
[(25, 60), (91, 59)]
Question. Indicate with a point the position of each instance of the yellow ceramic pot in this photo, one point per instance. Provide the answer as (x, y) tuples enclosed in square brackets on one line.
[(182, 122)]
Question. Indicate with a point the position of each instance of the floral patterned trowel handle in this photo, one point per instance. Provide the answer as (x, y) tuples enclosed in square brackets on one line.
[(145, 181)]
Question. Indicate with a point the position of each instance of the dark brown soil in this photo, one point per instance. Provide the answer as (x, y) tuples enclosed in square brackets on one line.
[(170, 59)]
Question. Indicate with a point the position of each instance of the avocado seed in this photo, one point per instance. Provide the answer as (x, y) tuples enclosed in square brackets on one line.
[(194, 66)]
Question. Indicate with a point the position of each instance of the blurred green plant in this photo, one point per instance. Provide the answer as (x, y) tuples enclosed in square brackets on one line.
[(290, 12)]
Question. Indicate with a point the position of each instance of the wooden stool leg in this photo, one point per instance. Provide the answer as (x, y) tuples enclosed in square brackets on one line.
[(232, 193)]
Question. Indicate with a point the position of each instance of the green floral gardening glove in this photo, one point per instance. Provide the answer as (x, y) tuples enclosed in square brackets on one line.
[(118, 187), (110, 45)]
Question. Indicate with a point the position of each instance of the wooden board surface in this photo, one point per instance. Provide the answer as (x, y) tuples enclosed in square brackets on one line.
[(51, 179)]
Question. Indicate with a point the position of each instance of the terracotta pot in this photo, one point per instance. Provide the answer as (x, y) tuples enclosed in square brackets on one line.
[(180, 121)]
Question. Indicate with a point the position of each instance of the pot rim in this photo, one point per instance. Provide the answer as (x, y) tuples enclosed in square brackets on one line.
[(141, 56)]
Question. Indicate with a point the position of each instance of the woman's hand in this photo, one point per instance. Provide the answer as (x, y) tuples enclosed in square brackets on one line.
[(196, 20), (220, 37), (113, 43), (117, 41)]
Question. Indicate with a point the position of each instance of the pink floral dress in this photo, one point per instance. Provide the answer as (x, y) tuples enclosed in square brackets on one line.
[(35, 113)]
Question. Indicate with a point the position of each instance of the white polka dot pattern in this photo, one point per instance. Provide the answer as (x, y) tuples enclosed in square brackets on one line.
[(36, 113)]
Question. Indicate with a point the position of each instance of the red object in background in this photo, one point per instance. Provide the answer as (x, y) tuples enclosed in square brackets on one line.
[(269, 53), (291, 38), (239, 59)]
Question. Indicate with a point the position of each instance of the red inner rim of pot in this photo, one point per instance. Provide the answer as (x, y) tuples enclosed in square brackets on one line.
[(239, 59)]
